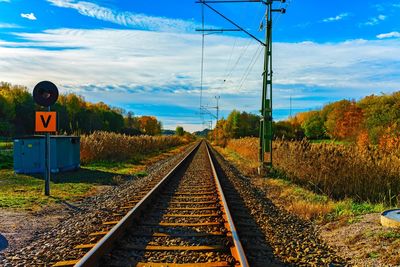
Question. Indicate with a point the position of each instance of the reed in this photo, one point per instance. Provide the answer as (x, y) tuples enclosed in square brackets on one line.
[(108, 146), (363, 173)]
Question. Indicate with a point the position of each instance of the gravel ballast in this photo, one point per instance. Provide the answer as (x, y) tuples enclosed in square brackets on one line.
[(48, 246)]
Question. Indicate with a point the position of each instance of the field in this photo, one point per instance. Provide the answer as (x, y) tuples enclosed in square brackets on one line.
[(337, 171), (100, 170)]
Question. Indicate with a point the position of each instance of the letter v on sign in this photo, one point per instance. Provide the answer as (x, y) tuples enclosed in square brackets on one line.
[(46, 121)]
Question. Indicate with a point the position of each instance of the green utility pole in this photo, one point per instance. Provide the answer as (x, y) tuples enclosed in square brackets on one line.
[(266, 134)]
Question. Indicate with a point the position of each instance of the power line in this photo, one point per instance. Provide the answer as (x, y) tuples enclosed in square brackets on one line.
[(250, 67), (244, 50)]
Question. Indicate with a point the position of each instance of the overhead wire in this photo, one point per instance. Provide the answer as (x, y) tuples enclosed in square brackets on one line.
[(244, 50), (250, 67)]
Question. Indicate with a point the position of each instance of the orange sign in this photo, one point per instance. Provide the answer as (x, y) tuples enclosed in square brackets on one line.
[(46, 121)]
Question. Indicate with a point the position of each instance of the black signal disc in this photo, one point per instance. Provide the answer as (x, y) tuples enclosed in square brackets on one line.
[(45, 93)]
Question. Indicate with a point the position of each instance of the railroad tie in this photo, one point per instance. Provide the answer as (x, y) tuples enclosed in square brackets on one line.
[(204, 264), (65, 263), (85, 246), (156, 234), (175, 248), (183, 224), (192, 215), (200, 208)]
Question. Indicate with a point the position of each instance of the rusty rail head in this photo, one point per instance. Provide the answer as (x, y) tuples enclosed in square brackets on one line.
[(105, 245), (238, 252)]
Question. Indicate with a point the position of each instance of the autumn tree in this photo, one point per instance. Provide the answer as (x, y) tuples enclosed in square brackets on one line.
[(149, 125), (349, 125), (333, 113)]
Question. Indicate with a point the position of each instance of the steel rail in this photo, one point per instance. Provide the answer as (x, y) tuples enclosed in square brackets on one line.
[(105, 244), (238, 248)]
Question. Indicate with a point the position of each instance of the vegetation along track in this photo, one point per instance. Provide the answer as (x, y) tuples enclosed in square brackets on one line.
[(184, 221)]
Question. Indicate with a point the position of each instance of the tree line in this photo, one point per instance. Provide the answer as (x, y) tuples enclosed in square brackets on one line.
[(74, 115), (236, 125), (369, 120)]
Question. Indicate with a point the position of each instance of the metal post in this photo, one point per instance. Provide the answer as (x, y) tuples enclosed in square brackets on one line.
[(264, 120), (47, 164), (268, 125), (266, 134), (216, 125)]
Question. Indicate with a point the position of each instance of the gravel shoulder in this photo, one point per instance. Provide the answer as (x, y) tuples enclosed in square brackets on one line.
[(360, 240), (40, 238), (293, 240), (364, 241)]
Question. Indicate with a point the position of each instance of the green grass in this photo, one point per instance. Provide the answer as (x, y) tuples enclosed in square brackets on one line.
[(350, 208), (373, 255), (6, 145), (6, 160), (6, 155), (121, 168), (391, 235), (26, 192), (19, 191)]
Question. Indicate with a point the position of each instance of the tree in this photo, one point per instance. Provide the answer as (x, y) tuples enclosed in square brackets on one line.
[(333, 113), (314, 126), (349, 125), (149, 125), (287, 130), (179, 131)]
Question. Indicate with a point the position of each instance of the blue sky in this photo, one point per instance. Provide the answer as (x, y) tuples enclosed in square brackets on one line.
[(144, 56)]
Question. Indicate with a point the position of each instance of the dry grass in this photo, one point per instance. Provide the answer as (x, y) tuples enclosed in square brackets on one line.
[(302, 202), (106, 146), (363, 174)]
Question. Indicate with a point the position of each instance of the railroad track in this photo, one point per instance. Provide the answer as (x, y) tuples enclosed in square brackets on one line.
[(183, 220)]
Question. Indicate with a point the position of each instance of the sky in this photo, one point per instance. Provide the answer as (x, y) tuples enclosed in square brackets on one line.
[(145, 55)]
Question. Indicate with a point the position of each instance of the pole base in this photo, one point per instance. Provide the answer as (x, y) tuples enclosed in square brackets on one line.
[(264, 168), (261, 170)]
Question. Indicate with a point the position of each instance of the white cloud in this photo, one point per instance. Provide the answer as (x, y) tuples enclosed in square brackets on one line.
[(381, 17), (374, 20), (126, 67), (29, 16), (336, 18), (128, 19), (5, 1), (388, 35), (9, 26)]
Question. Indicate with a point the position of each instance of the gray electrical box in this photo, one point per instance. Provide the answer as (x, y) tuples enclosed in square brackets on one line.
[(29, 153)]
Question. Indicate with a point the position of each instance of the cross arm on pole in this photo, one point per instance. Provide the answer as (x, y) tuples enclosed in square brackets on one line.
[(217, 30)]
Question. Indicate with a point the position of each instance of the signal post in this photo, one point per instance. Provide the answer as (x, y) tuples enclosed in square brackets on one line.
[(45, 94)]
